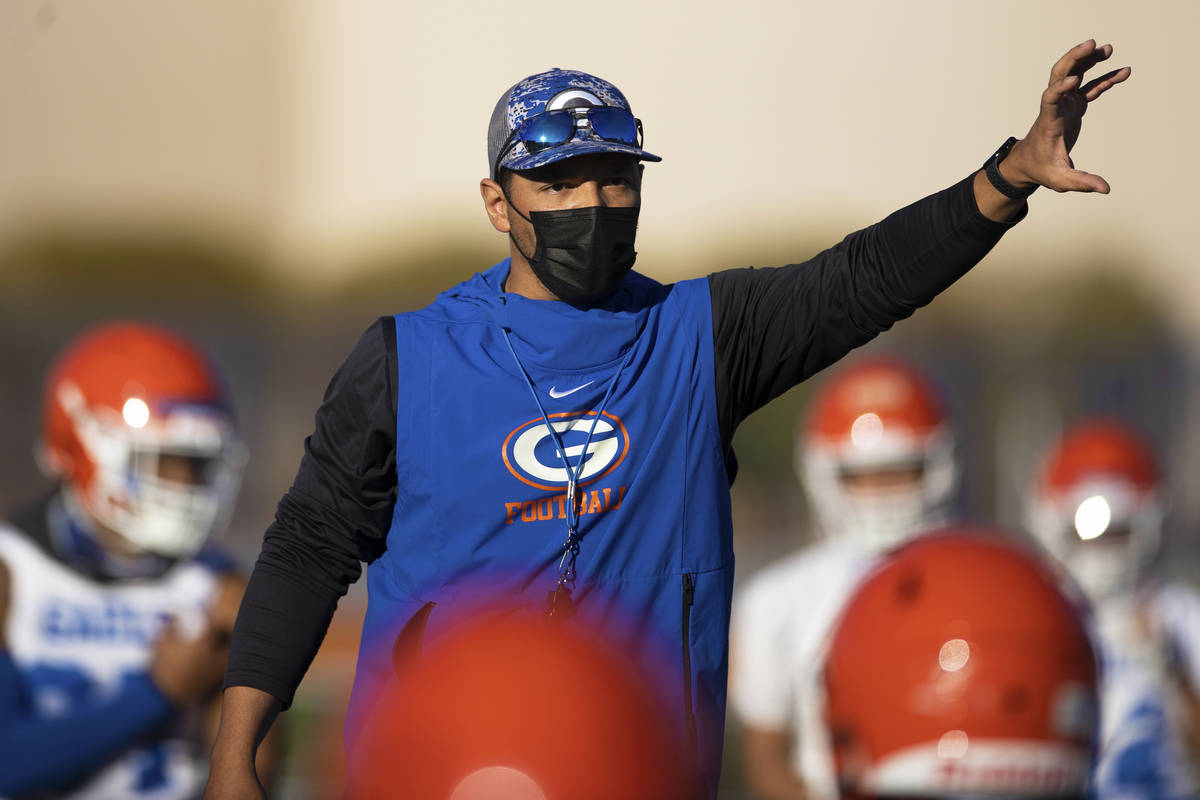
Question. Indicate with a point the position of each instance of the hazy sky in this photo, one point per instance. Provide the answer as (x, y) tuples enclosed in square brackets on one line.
[(326, 130)]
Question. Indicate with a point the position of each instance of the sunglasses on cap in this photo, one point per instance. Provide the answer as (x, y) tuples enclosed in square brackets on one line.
[(553, 128)]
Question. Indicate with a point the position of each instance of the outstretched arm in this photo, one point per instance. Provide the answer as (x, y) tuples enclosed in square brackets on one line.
[(773, 328), (1042, 158)]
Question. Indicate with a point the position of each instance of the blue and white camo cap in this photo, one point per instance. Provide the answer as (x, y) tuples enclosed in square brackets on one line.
[(556, 89)]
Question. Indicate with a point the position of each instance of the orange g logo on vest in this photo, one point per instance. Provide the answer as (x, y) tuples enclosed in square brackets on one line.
[(531, 455)]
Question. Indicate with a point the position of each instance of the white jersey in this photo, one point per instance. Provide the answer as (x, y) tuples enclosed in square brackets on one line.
[(1149, 646), (73, 639), (782, 621)]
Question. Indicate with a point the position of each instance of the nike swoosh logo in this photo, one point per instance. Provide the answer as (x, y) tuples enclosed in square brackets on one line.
[(556, 394)]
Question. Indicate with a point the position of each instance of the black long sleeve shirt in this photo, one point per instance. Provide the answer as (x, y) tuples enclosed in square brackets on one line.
[(772, 328)]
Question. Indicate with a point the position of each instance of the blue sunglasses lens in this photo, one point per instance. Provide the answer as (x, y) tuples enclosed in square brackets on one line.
[(553, 128), (614, 124), (547, 130)]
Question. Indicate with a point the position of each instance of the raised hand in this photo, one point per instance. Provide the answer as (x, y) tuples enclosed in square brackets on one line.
[(1042, 157)]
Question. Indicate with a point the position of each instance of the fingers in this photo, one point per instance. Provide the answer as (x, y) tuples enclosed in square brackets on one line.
[(1076, 180), (1091, 90), (1057, 89), (1066, 65), (190, 631), (1079, 59), (1094, 88), (169, 630), (1095, 57)]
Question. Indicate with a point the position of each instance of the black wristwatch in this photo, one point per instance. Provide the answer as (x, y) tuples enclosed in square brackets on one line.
[(991, 168)]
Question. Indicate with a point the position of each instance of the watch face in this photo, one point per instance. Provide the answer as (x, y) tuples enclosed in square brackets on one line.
[(999, 155)]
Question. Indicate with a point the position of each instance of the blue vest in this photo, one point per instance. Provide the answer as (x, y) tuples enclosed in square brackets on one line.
[(482, 490)]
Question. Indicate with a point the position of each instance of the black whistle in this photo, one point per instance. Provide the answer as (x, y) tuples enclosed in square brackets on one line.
[(559, 603)]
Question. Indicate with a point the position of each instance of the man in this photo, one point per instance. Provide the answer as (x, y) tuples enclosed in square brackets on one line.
[(961, 667), (1097, 505), (114, 617), (567, 423), (876, 458)]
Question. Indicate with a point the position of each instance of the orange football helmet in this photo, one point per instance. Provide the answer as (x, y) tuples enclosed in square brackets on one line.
[(1096, 505), (518, 706), (875, 417), (961, 667), (121, 399)]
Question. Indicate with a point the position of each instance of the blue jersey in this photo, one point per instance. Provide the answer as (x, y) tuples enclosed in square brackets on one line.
[(1149, 646), (74, 668), (482, 490)]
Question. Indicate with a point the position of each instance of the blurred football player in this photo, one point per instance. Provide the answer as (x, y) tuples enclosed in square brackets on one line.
[(962, 667), (114, 617), (1098, 506), (876, 458)]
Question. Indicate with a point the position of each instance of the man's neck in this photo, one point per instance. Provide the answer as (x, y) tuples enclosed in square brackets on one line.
[(523, 282)]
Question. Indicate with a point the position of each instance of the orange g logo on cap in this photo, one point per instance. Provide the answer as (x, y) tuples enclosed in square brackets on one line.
[(530, 453)]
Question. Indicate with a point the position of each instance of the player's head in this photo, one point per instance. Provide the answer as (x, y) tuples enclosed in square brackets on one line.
[(876, 454), (561, 114), (960, 668), (518, 706), (137, 427), (1096, 504)]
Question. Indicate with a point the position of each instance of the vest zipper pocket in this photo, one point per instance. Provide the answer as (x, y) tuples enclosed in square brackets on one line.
[(689, 596), (406, 649)]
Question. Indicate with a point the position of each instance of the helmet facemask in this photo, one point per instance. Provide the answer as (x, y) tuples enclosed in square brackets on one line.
[(880, 495), (164, 479), (1104, 530), (876, 456), (1097, 506)]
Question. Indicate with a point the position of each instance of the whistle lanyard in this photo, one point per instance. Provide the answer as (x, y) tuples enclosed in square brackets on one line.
[(559, 600)]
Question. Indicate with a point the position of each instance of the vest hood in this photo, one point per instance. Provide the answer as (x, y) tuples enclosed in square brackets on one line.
[(550, 333)]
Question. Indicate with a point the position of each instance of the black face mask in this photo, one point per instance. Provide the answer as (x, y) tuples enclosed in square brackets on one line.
[(582, 254)]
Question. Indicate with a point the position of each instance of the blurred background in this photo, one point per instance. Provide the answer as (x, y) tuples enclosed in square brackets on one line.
[(270, 177)]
